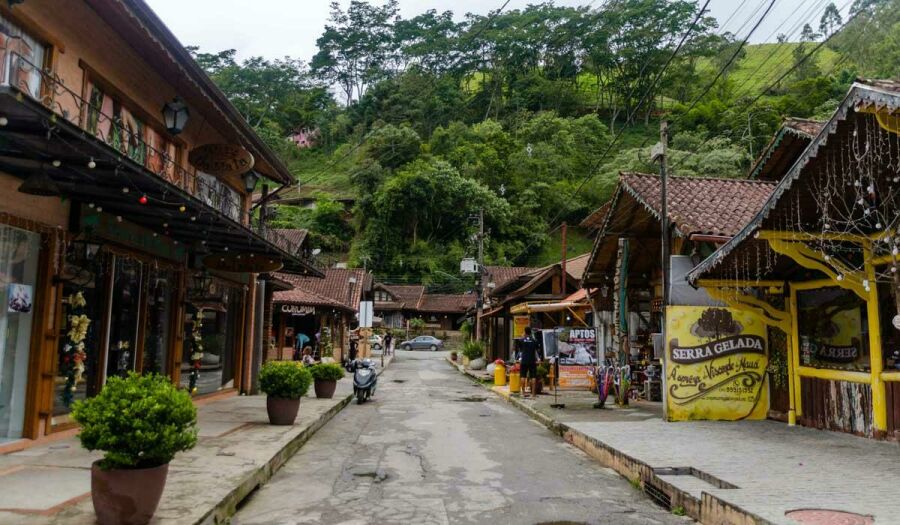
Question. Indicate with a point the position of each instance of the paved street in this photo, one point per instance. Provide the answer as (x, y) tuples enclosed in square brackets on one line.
[(435, 448)]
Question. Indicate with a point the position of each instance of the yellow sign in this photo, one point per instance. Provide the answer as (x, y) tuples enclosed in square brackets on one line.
[(519, 324), (715, 364)]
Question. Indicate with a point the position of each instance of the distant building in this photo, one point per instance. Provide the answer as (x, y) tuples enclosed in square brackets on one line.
[(304, 137)]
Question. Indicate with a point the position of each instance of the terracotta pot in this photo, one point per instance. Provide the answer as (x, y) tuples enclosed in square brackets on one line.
[(453, 356), (282, 411), (126, 496), (325, 388)]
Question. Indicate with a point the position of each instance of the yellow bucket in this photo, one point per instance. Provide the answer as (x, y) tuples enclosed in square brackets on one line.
[(499, 375), (514, 379)]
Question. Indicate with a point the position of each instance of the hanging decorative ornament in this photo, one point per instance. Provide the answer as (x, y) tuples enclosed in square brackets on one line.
[(125, 189), (91, 164), (182, 208), (143, 199)]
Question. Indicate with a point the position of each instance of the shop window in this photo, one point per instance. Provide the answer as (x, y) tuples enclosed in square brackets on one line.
[(125, 307), (212, 324), (115, 123), (18, 276), (23, 58), (160, 293), (833, 329)]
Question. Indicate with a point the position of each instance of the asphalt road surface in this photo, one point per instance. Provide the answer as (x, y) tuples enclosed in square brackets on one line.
[(433, 447)]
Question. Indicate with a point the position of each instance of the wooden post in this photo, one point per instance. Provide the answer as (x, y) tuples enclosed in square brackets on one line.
[(876, 360)]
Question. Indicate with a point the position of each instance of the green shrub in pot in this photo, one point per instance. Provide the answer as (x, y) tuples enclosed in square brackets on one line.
[(140, 421), (284, 379), (327, 372)]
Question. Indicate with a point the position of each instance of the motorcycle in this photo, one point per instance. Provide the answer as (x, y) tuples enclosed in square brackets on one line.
[(364, 379)]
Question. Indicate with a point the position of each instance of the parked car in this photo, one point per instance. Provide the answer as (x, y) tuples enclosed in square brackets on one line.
[(423, 342), (376, 342)]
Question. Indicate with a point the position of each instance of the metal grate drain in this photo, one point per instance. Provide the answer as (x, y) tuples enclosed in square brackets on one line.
[(828, 517), (658, 495)]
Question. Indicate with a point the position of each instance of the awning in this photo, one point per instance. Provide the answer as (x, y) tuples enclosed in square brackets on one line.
[(35, 138), (528, 308)]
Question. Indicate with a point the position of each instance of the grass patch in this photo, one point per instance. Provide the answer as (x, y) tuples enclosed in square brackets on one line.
[(679, 511)]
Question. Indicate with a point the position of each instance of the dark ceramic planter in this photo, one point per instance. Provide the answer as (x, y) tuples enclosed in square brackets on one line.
[(324, 388), (282, 411), (538, 386), (126, 496)]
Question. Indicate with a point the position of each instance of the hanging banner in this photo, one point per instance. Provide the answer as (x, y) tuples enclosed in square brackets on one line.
[(716, 362), (577, 346)]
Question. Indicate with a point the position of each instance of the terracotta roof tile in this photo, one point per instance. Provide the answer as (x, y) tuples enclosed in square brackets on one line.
[(594, 221), (335, 287), (500, 275), (408, 294), (701, 205), (445, 303), (288, 239)]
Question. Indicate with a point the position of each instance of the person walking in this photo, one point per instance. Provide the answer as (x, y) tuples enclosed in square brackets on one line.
[(529, 355), (388, 341)]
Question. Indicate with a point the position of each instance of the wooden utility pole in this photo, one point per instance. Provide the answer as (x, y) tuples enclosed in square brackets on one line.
[(479, 286), (562, 285)]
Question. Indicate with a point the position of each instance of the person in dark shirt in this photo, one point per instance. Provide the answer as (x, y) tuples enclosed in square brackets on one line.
[(529, 355)]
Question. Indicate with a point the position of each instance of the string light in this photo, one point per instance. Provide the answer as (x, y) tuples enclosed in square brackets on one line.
[(91, 164), (143, 199), (182, 208), (56, 163), (4, 121), (125, 189)]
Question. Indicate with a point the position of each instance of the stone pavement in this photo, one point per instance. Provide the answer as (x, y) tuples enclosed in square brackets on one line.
[(237, 452), (730, 472)]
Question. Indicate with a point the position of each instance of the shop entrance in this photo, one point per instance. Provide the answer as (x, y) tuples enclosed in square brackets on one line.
[(298, 324)]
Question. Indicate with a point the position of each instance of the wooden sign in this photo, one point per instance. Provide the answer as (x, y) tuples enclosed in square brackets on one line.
[(243, 262), (221, 159)]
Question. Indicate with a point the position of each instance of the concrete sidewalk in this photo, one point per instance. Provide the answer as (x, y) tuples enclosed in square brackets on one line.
[(237, 451), (729, 472)]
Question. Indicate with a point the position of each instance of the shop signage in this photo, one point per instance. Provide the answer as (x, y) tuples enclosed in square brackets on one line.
[(574, 377), (576, 346), (715, 364), (294, 309), (130, 235), (834, 335), (243, 262), (221, 159), (519, 324)]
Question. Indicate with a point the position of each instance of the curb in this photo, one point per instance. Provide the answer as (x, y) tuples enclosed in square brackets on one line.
[(709, 509), (225, 509)]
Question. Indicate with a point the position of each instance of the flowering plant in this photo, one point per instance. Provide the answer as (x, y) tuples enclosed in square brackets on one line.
[(197, 353), (73, 356)]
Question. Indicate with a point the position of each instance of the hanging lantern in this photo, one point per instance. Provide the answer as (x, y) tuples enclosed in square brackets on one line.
[(250, 179), (175, 114), (39, 183)]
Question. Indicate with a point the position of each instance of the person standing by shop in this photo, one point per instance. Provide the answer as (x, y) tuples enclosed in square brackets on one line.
[(300, 343), (529, 357)]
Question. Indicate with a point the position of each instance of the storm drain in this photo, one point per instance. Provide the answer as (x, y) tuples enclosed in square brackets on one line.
[(658, 495), (699, 474), (828, 517), (398, 380)]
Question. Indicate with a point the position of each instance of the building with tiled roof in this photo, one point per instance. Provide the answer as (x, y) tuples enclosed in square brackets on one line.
[(319, 306), (785, 148), (700, 210)]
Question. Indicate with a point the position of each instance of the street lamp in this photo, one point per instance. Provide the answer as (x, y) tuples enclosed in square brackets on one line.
[(175, 114), (250, 178)]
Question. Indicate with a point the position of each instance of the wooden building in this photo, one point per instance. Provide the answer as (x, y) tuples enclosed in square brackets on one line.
[(126, 241)]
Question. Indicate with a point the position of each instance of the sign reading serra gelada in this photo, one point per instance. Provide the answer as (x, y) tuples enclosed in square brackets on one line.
[(715, 364)]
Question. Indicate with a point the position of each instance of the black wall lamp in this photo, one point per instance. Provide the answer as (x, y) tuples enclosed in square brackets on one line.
[(175, 114)]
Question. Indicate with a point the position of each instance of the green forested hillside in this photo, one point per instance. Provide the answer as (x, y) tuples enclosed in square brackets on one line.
[(528, 115)]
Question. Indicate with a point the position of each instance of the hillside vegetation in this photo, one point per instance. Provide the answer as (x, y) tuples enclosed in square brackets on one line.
[(528, 115)]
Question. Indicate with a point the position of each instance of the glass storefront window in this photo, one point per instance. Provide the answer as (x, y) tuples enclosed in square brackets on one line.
[(125, 307), (160, 286), (18, 276), (219, 310), (833, 328)]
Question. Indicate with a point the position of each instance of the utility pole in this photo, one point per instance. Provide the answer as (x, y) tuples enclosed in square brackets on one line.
[(562, 285), (660, 154), (479, 286)]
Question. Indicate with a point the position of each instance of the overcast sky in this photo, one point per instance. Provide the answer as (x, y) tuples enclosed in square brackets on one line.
[(277, 28)]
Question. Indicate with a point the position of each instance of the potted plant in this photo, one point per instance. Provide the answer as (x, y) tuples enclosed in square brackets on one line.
[(326, 376), (454, 356), (284, 382), (543, 375), (140, 423), (474, 351)]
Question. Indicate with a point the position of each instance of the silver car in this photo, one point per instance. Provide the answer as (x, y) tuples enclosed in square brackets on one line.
[(423, 342)]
